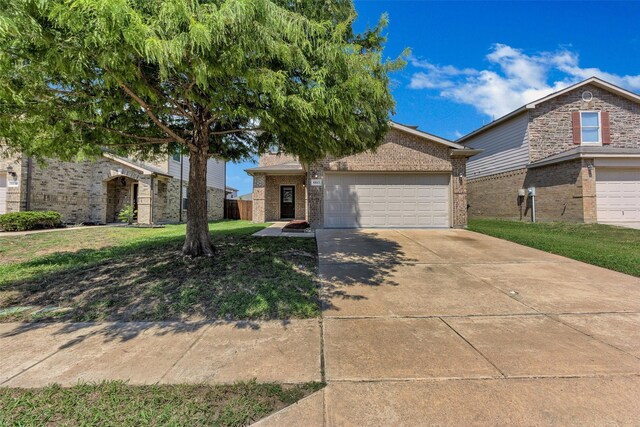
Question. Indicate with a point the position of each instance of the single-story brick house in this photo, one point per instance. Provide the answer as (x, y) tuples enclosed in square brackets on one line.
[(577, 150), (96, 191), (414, 179)]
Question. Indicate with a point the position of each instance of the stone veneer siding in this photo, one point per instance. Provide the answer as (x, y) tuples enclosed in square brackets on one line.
[(92, 191), (401, 152), (550, 122), (16, 197), (169, 206), (270, 159), (564, 192)]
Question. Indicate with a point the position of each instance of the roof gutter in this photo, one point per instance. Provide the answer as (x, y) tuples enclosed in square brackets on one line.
[(465, 152), (135, 166), (275, 171), (575, 156)]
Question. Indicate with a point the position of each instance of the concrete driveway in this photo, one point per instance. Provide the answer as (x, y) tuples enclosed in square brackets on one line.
[(451, 327)]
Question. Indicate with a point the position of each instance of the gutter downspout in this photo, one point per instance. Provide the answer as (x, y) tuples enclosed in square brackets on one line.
[(533, 208), (152, 199), (181, 190), (29, 184)]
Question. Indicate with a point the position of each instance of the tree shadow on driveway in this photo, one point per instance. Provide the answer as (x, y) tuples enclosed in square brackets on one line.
[(350, 259)]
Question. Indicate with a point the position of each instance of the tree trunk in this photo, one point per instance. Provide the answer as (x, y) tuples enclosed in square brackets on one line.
[(198, 240)]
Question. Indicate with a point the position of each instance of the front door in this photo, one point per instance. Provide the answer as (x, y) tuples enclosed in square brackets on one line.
[(287, 202)]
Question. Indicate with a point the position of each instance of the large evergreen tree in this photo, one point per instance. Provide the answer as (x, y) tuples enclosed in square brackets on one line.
[(217, 78)]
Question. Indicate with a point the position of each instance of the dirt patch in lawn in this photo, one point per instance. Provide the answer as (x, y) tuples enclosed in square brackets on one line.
[(249, 278)]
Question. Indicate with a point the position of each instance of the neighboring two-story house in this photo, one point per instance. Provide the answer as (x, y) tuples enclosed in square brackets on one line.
[(96, 191), (414, 179), (571, 156)]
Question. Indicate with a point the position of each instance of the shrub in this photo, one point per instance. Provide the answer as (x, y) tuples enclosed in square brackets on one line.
[(30, 220), (127, 214)]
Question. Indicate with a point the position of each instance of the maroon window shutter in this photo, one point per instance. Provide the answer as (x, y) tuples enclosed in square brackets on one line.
[(575, 126), (605, 128)]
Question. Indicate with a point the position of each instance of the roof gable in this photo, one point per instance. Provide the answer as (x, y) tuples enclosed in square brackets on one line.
[(595, 81), (412, 130)]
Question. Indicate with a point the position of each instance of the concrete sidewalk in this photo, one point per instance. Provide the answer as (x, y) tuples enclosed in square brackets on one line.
[(275, 230), (35, 355)]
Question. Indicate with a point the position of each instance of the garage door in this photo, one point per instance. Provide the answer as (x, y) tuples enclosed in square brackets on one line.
[(618, 195), (3, 193), (354, 200)]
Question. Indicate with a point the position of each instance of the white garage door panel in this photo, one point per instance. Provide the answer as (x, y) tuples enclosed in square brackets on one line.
[(618, 195), (386, 200)]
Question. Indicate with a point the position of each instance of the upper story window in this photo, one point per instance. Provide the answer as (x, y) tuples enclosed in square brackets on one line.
[(274, 149), (176, 156), (590, 127)]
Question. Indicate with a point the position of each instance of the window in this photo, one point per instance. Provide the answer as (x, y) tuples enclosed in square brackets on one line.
[(185, 198), (274, 149), (590, 127), (176, 156)]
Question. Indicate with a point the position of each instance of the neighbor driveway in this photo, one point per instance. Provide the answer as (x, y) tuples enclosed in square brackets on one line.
[(452, 327)]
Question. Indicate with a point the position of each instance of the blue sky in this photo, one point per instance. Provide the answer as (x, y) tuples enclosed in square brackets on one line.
[(474, 61)]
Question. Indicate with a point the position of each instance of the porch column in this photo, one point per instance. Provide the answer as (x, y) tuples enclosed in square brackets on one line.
[(315, 195), (145, 200), (259, 185), (587, 181), (459, 187)]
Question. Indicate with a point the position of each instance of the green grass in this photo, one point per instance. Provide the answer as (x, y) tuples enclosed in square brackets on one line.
[(116, 403), (615, 248), (138, 274)]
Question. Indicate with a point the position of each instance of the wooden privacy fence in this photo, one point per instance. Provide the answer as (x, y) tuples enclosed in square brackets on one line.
[(238, 209)]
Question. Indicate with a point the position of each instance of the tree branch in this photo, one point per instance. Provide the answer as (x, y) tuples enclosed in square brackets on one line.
[(227, 132), (145, 139), (176, 104), (148, 111)]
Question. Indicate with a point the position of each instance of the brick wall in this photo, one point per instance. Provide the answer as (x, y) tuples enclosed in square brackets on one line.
[(93, 191), (496, 196), (564, 192), (168, 201), (550, 122), (78, 190), (459, 190), (400, 152), (259, 184), (275, 159)]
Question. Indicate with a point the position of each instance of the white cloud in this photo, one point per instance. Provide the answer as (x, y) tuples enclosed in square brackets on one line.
[(512, 79)]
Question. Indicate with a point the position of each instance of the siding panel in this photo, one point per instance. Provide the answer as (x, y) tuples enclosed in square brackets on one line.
[(505, 149), (215, 171)]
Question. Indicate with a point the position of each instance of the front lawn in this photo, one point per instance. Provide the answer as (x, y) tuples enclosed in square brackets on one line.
[(116, 403), (615, 248), (138, 274)]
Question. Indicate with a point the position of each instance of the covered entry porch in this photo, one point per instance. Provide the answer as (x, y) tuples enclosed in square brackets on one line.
[(130, 184), (279, 192)]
